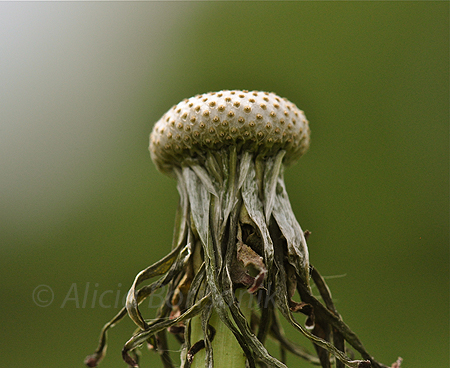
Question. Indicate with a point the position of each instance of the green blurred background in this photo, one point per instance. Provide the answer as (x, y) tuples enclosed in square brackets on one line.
[(82, 205)]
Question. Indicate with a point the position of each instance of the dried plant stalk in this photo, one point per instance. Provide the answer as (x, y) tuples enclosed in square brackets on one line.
[(235, 232)]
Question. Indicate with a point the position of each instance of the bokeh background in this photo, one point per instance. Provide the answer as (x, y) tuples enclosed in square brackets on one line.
[(82, 208)]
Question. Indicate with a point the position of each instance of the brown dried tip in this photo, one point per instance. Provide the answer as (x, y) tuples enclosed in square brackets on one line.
[(259, 122)]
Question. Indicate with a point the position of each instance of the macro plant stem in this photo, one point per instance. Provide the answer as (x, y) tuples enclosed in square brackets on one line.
[(227, 352), (236, 238)]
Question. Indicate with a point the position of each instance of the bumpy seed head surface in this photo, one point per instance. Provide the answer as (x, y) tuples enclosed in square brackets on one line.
[(259, 122)]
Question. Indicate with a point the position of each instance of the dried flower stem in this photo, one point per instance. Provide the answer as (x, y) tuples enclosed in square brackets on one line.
[(235, 231)]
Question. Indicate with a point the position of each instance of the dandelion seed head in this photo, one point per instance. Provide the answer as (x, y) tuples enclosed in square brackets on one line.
[(240, 118)]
